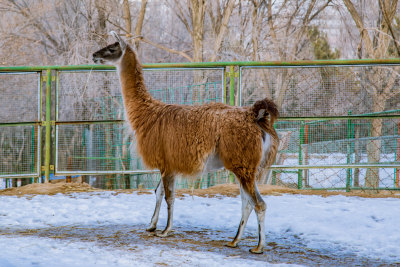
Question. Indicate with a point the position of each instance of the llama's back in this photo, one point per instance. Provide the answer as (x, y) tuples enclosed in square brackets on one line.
[(179, 139)]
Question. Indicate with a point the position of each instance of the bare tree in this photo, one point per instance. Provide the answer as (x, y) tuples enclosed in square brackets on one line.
[(288, 41), (128, 20), (378, 82), (277, 30), (193, 18), (219, 16)]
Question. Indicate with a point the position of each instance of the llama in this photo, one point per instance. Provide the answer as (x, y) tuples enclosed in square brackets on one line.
[(188, 140)]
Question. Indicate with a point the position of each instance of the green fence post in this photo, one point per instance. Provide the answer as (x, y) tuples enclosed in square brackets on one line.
[(33, 152), (349, 152), (232, 85), (47, 124), (232, 76), (273, 177), (224, 86), (397, 157), (300, 171)]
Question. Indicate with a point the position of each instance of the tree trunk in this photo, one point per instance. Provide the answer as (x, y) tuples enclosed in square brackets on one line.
[(197, 13), (357, 154), (127, 18), (101, 23), (222, 29), (139, 23), (197, 17), (374, 147)]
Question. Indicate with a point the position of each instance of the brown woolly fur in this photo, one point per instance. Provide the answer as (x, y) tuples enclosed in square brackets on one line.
[(177, 139), (186, 140)]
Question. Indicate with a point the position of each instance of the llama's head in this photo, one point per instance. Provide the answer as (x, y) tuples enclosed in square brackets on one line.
[(112, 53)]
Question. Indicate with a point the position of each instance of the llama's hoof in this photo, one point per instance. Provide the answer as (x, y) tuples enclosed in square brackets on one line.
[(151, 229), (231, 244), (257, 250), (162, 234)]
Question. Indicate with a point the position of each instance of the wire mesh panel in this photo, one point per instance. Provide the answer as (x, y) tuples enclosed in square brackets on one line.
[(96, 95), (19, 145), (110, 148), (19, 101), (185, 86), (88, 95), (19, 150), (95, 148), (320, 147), (323, 91)]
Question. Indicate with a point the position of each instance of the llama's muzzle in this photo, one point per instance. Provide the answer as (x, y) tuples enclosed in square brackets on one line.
[(97, 60)]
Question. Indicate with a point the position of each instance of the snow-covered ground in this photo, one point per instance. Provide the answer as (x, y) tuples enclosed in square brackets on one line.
[(365, 227)]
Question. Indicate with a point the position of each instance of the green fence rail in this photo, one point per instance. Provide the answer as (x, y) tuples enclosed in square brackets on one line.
[(333, 135)]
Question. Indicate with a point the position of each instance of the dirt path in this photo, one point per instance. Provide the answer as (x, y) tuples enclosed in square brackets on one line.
[(279, 249)]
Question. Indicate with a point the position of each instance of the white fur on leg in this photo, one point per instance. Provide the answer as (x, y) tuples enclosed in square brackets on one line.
[(246, 211), (159, 196), (169, 188)]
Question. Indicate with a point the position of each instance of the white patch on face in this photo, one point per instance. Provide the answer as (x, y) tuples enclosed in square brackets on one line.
[(107, 53)]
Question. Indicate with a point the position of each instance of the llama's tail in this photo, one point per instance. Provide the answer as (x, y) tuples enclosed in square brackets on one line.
[(264, 108), (265, 113)]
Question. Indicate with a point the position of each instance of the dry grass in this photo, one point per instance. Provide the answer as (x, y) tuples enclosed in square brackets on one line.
[(230, 190), (48, 189)]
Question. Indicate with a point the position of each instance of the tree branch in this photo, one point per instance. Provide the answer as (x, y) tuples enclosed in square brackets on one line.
[(389, 24), (182, 54), (363, 32)]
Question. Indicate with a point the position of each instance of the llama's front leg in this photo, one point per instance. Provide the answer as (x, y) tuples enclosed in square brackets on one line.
[(246, 211), (159, 196), (169, 188)]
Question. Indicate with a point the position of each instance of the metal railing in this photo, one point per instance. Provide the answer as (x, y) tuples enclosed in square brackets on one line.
[(79, 128)]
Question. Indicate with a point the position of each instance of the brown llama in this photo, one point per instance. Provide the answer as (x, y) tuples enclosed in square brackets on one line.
[(187, 140)]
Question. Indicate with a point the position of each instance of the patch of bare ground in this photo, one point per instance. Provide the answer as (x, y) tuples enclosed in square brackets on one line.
[(48, 189), (279, 249), (230, 190)]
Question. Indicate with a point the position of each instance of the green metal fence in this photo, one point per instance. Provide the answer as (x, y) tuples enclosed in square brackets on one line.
[(20, 130), (339, 125)]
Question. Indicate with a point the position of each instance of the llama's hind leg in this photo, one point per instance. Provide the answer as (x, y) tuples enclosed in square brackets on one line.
[(259, 207), (247, 208), (159, 196), (169, 188)]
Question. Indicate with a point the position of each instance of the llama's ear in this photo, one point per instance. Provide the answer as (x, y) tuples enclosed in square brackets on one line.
[(118, 39)]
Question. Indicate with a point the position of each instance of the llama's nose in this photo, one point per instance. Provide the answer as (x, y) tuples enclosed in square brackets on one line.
[(95, 58)]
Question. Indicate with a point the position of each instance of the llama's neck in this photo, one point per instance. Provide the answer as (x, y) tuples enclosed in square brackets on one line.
[(135, 94), (131, 77)]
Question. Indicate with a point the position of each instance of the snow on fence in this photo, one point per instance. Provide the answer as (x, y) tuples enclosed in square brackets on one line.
[(339, 125)]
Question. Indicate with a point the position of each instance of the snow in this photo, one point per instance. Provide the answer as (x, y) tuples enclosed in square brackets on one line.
[(365, 227), (25, 251)]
